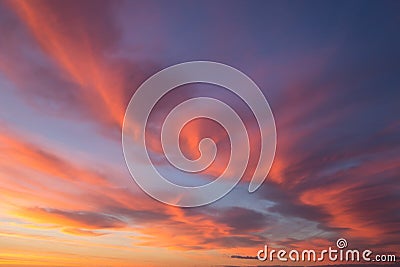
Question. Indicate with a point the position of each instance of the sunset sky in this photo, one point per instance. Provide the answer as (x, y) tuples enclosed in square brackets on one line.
[(330, 71)]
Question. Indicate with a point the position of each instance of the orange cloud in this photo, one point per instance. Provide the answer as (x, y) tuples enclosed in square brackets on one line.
[(36, 158), (78, 49)]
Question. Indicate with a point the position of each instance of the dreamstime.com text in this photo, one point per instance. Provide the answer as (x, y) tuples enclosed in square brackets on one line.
[(340, 253)]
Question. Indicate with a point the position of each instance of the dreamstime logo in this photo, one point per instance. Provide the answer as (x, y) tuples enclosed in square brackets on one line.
[(331, 254), (152, 90)]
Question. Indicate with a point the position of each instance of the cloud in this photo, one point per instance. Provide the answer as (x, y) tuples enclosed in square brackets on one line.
[(68, 64), (244, 257), (242, 220), (333, 93), (80, 232), (80, 219), (19, 152)]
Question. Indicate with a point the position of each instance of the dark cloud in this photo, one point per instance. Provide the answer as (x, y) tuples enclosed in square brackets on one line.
[(287, 203), (244, 257), (85, 219), (242, 220)]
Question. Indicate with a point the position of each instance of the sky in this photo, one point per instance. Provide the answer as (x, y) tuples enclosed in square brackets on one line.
[(329, 70)]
